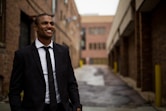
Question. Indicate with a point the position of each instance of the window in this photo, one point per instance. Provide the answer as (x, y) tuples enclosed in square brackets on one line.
[(95, 46), (54, 6), (98, 46), (90, 46), (2, 23), (83, 40), (97, 30), (103, 45), (65, 1)]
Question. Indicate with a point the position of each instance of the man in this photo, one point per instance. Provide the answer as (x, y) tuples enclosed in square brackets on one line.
[(31, 74)]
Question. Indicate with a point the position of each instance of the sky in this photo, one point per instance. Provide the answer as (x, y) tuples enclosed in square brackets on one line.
[(97, 7)]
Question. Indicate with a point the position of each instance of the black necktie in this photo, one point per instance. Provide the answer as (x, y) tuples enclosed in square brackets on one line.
[(52, 92)]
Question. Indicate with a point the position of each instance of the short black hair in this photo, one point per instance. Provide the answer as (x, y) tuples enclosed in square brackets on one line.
[(40, 15)]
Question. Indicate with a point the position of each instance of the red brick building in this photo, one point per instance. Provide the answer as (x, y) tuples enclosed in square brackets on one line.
[(16, 30), (95, 31), (136, 46), (68, 28)]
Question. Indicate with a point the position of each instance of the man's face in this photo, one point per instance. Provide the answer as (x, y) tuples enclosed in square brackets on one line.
[(45, 27)]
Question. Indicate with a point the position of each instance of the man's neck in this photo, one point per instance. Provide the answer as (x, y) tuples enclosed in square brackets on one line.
[(46, 42)]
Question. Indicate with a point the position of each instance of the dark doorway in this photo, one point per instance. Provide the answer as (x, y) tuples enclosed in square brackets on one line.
[(1, 85)]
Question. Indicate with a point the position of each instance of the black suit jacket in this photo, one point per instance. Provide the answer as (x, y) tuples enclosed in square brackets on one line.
[(27, 76)]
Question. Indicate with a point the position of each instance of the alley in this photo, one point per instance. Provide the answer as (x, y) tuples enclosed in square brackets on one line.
[(101, 90)]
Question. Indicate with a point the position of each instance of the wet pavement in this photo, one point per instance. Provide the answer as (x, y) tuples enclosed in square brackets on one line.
[(101, 90)]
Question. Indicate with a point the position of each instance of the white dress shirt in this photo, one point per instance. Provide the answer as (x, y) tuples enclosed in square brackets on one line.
[(42, 55)]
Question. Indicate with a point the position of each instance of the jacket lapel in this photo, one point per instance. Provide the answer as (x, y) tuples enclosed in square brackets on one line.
[(37, 59), (57, 56), (58, 64)]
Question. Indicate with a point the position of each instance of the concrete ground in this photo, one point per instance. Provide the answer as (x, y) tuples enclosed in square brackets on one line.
[(4, 106), (102, 90)]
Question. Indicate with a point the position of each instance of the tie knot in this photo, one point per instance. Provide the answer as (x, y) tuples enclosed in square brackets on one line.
[(46, 48)]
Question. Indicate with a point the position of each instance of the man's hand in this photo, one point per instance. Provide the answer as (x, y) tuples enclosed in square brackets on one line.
[(78, 109)]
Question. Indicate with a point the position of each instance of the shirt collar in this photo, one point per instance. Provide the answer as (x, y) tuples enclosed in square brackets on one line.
[(39, 44)]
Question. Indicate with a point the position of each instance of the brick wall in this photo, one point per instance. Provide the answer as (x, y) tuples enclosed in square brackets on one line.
[(96, 54), (159, 42), (30, 8), (146, 48), (12, 34), (68, 31)]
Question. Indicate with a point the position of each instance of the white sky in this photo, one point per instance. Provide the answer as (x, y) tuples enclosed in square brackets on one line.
[(100, 7)]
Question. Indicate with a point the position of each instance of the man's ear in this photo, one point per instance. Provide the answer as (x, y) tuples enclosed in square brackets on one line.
[(35, 27)]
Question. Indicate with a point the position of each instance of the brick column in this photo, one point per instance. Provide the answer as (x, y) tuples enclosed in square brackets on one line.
[(124, 56), (146, 53), (117, 54), (137, 45), (111, 59)]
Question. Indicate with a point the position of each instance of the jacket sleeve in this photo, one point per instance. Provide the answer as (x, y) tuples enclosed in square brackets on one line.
[(73, 86), (16, 82)]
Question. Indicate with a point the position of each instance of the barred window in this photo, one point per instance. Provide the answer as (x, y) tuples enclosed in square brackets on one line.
[(97, 46)]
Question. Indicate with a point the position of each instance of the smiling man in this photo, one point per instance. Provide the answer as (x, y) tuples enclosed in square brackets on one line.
[(43, 71)]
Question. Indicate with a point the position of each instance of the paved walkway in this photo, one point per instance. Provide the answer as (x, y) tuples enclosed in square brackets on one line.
[(101, 90), (4, 107)]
